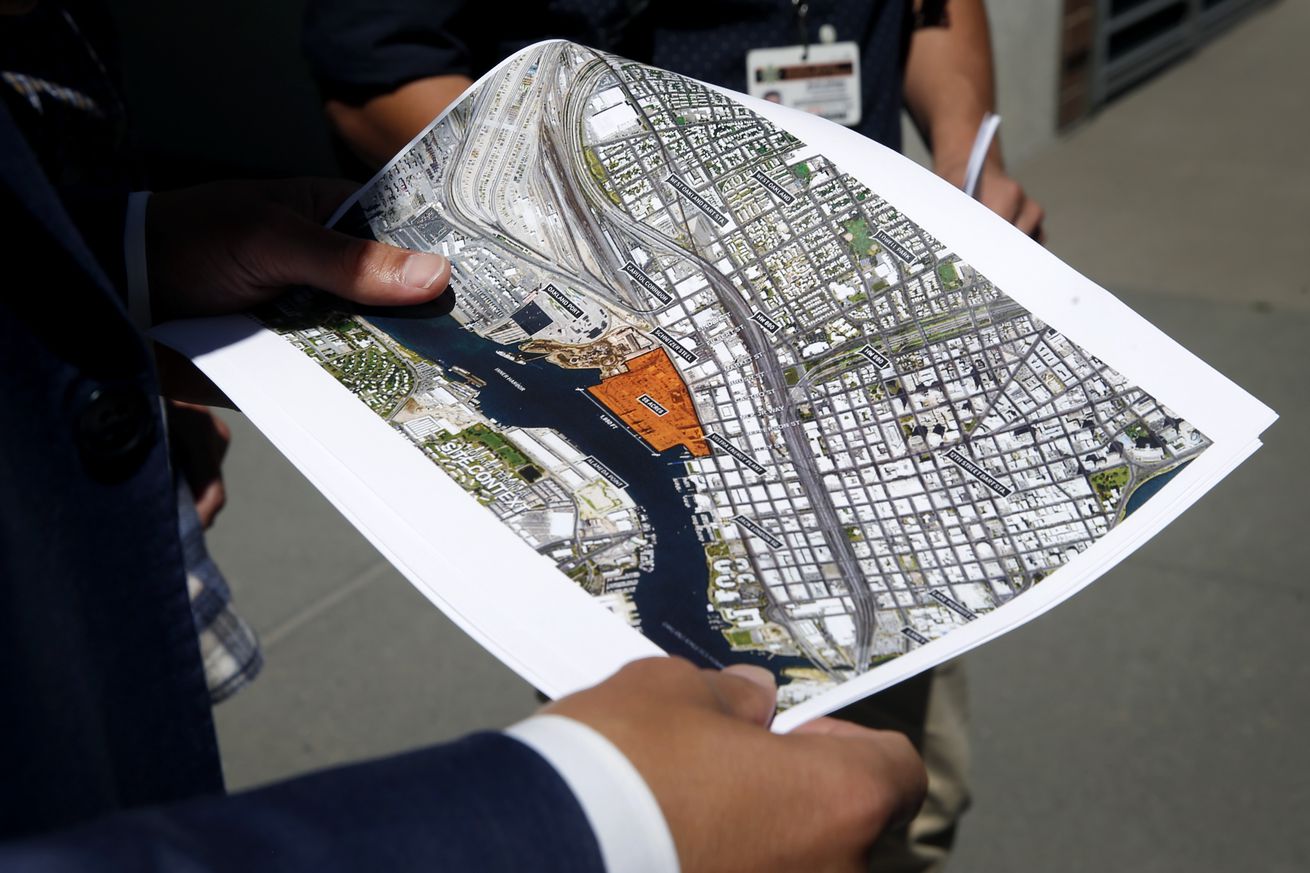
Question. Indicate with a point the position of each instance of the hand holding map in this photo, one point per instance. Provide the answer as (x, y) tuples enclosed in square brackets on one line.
[(727, 381), (697, 738), (271, 235)]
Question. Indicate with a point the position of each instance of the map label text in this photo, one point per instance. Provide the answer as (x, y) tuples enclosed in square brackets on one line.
[(565, 303), (701, 203), (760, 532), (773, 187), (742, 457), (978, 472), (642, 278), (676, 347), (953, 605)]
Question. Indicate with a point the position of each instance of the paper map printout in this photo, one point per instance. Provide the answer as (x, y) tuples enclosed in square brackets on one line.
[(727, 389)]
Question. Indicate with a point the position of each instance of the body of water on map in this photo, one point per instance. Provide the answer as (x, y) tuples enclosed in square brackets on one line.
[(1150, 488), (672, 599)]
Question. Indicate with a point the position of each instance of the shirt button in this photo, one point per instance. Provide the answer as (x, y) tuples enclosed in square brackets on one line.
[(114, 431)]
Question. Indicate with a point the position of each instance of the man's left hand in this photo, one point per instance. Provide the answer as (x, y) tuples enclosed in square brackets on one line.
[(228, 246), (1000, 193), (199, 440)]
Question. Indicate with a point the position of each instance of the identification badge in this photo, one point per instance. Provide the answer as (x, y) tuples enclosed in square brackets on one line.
[(822, 78)]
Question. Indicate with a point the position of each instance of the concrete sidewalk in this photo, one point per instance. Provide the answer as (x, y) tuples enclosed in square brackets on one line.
[(1150, 725), (1156, 722)]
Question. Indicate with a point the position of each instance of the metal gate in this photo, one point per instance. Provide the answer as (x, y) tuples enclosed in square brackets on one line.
[(1134, 38)]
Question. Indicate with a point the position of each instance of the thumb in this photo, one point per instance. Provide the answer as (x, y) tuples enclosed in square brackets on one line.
[(365, 271), (745, 691)]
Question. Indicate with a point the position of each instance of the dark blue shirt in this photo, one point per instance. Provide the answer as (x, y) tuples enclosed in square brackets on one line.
[(360, 49)]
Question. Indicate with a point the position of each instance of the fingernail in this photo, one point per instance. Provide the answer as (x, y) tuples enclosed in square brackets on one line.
[(758, 675), (423, 270)]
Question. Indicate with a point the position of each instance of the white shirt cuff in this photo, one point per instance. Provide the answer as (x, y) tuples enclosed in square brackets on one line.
[(134, 260), (623, 813)]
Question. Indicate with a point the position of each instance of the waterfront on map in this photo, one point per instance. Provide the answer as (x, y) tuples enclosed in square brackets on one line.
[(672, 599), (1150, 488)]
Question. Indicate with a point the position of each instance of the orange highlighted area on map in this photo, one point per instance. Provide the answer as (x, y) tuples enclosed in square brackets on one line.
[(652, 399)]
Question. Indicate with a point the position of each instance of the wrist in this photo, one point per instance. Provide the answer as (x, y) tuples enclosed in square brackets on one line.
[(625, 816), (950, 124), (953, 154)]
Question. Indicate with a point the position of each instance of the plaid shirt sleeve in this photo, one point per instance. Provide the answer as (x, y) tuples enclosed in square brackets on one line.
[(228, 646)]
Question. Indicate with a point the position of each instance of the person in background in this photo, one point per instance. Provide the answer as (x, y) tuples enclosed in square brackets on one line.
[(386, 71), (107, 743)]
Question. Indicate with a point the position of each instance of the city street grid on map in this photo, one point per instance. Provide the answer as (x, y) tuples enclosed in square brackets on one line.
[(711, 378)]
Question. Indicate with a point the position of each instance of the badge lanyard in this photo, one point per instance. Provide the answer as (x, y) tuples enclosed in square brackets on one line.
[(802, 11), (822, 77)]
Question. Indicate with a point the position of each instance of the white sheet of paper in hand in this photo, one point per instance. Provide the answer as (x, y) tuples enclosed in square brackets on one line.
[(724, 380)]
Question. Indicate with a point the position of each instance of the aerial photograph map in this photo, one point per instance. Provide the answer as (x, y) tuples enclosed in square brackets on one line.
[(729, 390)]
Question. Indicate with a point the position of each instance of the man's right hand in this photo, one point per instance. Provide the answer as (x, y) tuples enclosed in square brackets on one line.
[(736, 796)]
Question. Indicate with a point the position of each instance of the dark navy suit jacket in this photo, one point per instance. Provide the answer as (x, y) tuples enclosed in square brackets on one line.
[(108, 759)]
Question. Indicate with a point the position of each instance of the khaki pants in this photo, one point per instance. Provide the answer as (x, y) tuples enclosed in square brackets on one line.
[(932, 710)]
